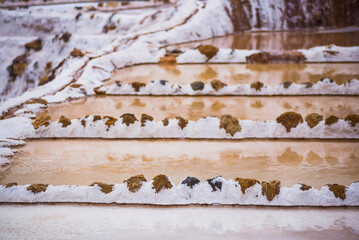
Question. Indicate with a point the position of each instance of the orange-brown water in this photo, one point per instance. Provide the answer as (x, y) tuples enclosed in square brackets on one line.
[(288, 40), (193, 108), (82, 162), (270, 74)]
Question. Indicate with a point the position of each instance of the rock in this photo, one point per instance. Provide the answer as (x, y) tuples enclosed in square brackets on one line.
[(313, 119), (35, 45), (331, 120), (197, 86), (182, 123), (287, 84), (217, 84), (170, 60), (161, 182), (96, 118), (163, 82), (137, 86), (290, 120), (76, 53), (308, 84), (37, 100), (44, 80), (215, 183), (66, 37), (99, 91), (76, 85), (65, 121), (128, 118), (338, 190), (276, 57), (326, 79), (353, 119), (144, 118), (270, 189), (83, 122), (208, 50), (135, 183), (230, 124), (190, 181), (118, 83), (110, 121), (257, 85), (305, 187), (18, 66), (36, 188), (43, 120), (105, 188), (246, 183), (11, 184)]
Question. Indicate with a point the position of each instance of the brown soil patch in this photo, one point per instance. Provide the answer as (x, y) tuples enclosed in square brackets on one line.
[(287, 84), (331, 120), (313, 119), (98, 91), (96, 118), (270, 189), (76, 53), (11, 185), (137, 85), (36, 45), (182, 123), (217, 84), (83, 122), (135, 183), (65, 121), (43, 120), (246, 183), (66, 37), (161, 182), (352, 118), (145, 117), (36, 100), (338, 190), (18, 66), (276, 57), (105, 188), (208, 50), (170, 60), (44, 80), (305, 187), (290, 120), (257, 85), (230, 124), (76, 85), (110, 121), (128, 118), (36, 188)]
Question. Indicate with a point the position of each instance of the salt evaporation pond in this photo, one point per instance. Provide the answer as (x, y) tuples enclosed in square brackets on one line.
[(194, 108), (82, 162)]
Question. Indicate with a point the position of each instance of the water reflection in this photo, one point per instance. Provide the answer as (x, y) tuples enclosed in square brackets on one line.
[(85, 161)]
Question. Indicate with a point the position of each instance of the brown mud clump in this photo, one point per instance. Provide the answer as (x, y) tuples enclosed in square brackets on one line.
[(353, 119), (137, 86), (313, 119), (76, 85), (197, 86), (276, 57), (217, 84), (246, 183), (83, 122), (76, 53), (37, 100), (305, 187), (96, 118), (290, 120), (208, 50), (331, 120), (65, 121), (43, 120), (110, 121), (135, 183), (308, 84), (36, 45), (36, 188), (170, 60), (182, 123), (161, 182), (270, 189), (98, 91), (190, 181), (128, 118), (43, 80), (66, 37), (257, 85), (9, 185), (230, 124), (145, 117), (105, 188), (338, 190), (287, 84)]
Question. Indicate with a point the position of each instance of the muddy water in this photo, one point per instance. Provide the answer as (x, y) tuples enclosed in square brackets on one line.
[(210, 223), (289, 40), (194, 108), (82, 162), (270, 74)]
